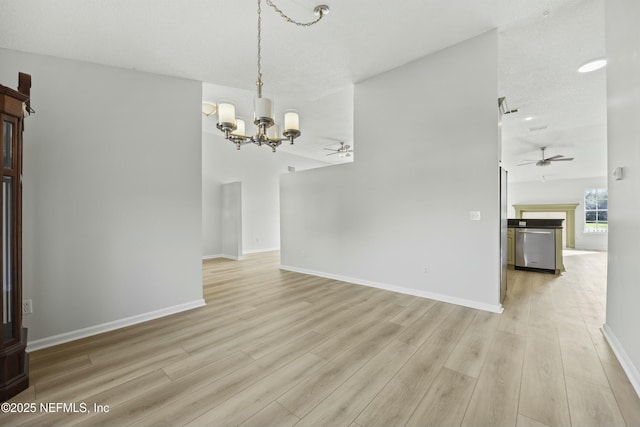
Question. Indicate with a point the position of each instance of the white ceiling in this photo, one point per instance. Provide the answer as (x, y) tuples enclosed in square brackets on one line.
[(214, 41), (538, 75)]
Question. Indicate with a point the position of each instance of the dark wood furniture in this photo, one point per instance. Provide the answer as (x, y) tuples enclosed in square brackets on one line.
[(14, 362)]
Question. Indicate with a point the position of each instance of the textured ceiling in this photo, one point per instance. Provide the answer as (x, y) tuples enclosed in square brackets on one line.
[(214, 41), (538, 75)]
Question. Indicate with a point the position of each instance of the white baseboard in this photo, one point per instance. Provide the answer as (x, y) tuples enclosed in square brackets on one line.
[(257, 251), (627, 364), (110, 326), (237, 258), (233, 257), (402, 290)]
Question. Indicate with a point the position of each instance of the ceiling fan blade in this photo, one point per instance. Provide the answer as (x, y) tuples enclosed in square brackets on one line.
[(347, 155), (331, 154), (527, 163), (533, 145), (566, 159), (554, 157), (329, 149), (328, 138), (346, 147)]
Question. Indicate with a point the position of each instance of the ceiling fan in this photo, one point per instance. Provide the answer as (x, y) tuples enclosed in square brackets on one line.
[(344, 150), (546, 161)]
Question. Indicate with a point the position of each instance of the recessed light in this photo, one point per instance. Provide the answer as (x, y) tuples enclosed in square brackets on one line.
[(528, 118), (592, 65), (538, 128)]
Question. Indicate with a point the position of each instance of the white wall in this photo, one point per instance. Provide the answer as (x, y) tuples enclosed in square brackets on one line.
[(232, 220), (428, 149), (258, 169), (561, 192), (112, 187), (211, 203), (623, 93)]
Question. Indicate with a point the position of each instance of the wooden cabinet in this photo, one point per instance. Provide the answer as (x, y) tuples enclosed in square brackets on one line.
[(511, 248), (559, 258), (14, 362)]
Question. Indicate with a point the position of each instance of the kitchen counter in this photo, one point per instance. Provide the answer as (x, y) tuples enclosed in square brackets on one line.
[(534, 223), (520, 223)]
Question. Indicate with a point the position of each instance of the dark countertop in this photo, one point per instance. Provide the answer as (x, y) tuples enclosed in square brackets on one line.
[(534, 223)]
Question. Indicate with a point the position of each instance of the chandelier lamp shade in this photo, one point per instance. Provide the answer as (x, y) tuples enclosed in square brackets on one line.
[(267, 131)]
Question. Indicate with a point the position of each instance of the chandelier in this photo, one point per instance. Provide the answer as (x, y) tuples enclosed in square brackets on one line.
[(268, 131)]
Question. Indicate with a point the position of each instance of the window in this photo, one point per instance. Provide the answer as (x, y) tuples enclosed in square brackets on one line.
[(595, 210)]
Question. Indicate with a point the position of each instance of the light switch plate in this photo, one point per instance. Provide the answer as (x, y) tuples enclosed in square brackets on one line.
[(474, 215)]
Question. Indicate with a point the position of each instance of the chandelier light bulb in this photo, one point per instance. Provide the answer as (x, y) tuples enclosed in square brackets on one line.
[(264, 108), (226, 113), (267, 132), (274, 131), (240, 129), (291, 121)]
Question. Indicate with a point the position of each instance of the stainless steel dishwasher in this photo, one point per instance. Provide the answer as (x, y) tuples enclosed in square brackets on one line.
[(536, 248)]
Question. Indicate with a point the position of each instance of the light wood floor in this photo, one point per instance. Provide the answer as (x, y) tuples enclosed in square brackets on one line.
[(276, 348)]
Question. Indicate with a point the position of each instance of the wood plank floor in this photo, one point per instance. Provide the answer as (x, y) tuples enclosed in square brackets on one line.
[(277, 348)]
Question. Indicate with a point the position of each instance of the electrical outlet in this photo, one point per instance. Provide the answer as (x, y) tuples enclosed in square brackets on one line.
[(426, 270), (27, 306)]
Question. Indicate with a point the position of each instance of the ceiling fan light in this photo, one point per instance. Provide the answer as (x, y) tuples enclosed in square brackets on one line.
[(209, 108), (592, 65)]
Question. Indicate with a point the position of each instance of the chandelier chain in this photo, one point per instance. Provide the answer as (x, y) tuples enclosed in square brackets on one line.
[(288, 19), (259, 82), (291, 20), (267, 134)]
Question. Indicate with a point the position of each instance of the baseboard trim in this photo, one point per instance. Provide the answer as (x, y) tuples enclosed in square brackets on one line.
[(218, 256), (627, 365), (399, 289), (41, 343), (238, 258), (258, 251)]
